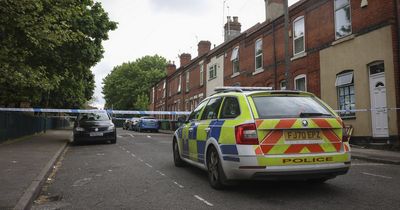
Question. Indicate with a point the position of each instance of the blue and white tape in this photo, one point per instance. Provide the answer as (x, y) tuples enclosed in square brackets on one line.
[(92, 111)]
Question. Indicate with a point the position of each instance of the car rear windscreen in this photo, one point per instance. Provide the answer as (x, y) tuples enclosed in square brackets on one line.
[(101, 116), (269, 107)]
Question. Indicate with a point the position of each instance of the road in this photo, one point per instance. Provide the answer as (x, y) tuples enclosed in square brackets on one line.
[(138, 173)]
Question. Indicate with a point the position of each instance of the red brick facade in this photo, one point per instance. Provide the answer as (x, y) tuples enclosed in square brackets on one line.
[(319, 23)]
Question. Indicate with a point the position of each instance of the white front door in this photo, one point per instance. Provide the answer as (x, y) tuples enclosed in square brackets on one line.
[(378, 105)]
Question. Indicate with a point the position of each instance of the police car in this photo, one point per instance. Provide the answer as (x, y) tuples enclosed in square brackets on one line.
[(258, 133)]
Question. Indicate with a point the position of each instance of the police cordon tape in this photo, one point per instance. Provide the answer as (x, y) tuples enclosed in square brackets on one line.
[(76, 111), (40, 110)]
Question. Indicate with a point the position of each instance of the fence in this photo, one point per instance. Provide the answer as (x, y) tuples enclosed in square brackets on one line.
[(18, 124)]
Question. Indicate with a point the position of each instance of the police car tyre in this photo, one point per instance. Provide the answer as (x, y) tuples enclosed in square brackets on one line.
[(114, 141), (216, 176), (177, 158)]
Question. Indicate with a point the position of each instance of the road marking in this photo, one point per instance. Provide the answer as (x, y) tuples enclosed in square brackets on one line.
[(131, 135), (133, 155), (180, 186), (123, 148), (204, 201), (149, 165), (127, 151), (120, 136), (148, 136), (368, 164), (140, 160), (161, 173), (376, 175)]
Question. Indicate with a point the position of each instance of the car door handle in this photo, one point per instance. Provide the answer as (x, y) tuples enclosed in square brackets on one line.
[(207, 129)]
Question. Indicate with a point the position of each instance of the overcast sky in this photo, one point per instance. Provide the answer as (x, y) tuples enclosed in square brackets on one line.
[(167, 28)]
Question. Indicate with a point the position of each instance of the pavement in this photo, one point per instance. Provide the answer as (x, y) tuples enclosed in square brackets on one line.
[(25, 164)]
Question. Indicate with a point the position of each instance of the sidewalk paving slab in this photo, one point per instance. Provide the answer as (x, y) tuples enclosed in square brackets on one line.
[(380, 156), (25, 163)]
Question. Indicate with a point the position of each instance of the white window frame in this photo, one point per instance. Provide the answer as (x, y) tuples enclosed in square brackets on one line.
[(201, 74), (187, 81), (235, 60), (281, 85), (180, 84), (334, 14), (298, 77), (164, 89), (346, 84), (212, 72), (258, 55), (296, 38)]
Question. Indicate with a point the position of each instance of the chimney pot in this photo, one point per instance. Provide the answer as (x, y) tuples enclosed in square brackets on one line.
[(203, 47), (185, 59)]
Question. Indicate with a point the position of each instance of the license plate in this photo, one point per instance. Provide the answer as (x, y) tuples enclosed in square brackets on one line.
[(96, 134), (299, 135)]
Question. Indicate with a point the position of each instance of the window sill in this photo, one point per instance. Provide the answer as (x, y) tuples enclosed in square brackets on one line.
[(344, 39), (235, 74), (257, 71), (212, 78), (298, 56)]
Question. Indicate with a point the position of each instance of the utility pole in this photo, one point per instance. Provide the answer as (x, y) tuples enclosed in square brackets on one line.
[(286, 31)]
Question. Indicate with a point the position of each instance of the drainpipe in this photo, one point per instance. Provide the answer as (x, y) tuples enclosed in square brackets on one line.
[(275, 65), (286, 35)]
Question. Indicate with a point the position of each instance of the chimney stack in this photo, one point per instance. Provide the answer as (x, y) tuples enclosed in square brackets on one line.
[(171, 68), (185, 59), (232, 28), (203, 47), (273, 9)]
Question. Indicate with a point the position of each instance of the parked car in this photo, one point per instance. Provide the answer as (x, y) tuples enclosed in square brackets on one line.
[(252, 133), (126, 124), (147, 124), (133, 123), (94, 127)]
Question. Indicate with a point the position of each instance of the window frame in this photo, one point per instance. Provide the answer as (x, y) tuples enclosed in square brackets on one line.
[(280, 84), (303, 36), (218, 109), (187, 81), (179, 84), (334, 16), (298, 77), (258, 55), (346, 115), (222, 106), (201, 74), (235, 60)]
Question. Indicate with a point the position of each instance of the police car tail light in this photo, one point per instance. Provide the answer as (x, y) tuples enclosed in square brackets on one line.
[(246, 134)]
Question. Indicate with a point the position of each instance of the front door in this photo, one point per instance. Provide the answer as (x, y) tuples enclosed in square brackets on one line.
[(378, 101)]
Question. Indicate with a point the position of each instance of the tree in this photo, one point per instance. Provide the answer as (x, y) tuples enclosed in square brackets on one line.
[(47, 48), (127, 86)]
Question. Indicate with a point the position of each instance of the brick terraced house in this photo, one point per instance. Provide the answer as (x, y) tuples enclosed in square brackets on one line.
[(344, 51)]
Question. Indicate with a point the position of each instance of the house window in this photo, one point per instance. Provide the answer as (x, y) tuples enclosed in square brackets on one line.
[(259, 54), (342, 18), (213, 72), (298, 35), (180, 84), (170, 90), (187, 81), (201, 74), (282, 85), (300, 83), (235, 60), (345, 91), (153, 95), (164, 89)]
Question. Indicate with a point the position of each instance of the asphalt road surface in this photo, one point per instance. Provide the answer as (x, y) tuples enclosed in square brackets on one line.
[(138, 173)]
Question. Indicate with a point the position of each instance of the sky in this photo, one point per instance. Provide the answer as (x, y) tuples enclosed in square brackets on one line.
[(167, 28)]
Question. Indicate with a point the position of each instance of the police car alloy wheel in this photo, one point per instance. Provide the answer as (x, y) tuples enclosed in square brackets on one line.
[(216, 175), (177, 159)]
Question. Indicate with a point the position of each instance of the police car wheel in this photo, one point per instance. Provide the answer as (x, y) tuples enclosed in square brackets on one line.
[(177, 159), (216, 176)]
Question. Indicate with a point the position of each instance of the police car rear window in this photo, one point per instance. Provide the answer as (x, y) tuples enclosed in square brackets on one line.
[(269, 107)]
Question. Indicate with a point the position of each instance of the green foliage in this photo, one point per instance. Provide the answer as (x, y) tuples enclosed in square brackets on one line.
[(127, 86), (47, 48)]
